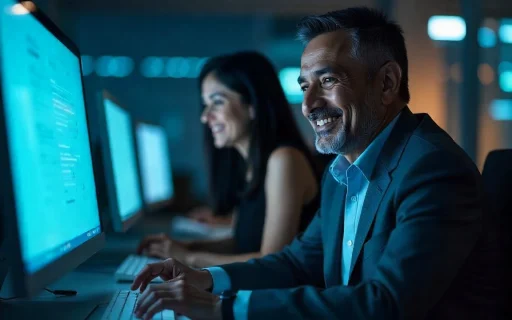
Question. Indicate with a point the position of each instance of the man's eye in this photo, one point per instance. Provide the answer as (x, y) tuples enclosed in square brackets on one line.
[(329, 82)]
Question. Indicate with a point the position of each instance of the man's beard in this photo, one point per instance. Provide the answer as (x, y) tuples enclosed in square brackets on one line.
[(342, 142)]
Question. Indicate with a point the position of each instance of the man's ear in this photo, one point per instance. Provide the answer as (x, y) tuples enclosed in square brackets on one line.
[(391, 77)]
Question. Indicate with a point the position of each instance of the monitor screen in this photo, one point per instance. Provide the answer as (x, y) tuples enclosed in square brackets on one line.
[(124, 163), (155, 163), (48, 141)]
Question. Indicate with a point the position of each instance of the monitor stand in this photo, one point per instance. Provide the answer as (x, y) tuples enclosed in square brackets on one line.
[(23, 308)]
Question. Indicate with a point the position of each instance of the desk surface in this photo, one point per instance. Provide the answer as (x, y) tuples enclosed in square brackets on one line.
[(94, 281), (95, 287)]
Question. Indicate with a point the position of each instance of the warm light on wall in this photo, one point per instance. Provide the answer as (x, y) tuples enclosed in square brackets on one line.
[(455, 73), (485, 74)]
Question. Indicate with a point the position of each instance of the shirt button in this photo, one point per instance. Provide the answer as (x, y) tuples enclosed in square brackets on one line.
[(349, 243), (353, 198)]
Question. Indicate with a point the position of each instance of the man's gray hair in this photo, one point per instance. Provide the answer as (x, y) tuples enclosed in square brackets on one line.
[(376, 40)]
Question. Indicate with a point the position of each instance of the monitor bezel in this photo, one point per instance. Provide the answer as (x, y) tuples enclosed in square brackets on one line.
[(26, 284), (118, 225), (158, 205)]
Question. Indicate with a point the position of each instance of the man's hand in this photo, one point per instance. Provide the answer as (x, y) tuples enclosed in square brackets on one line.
[(161, 246), (172, 269), (181, 297)]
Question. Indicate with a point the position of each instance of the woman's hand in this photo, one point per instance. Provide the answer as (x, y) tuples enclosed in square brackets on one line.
[(206, 215), (201, 214), (161, 246)]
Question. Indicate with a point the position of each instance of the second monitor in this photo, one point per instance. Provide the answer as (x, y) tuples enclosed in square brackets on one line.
[(119, 163), (155, 165)]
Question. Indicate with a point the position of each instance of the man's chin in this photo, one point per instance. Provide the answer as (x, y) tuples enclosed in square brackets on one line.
[(324, 148), (219, 144), (328, 145)]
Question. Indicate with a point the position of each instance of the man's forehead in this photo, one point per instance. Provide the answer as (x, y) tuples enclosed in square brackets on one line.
[(328, 47)]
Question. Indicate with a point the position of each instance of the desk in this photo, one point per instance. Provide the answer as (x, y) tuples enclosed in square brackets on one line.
[(94, 281), (94, 287)]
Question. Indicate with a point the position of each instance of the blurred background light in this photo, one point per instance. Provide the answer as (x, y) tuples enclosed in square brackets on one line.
[(124, 66), (87, 65), (486, 37), (506, 31), (200, 64), (485, 74), (446, 28), (501, 109), (455, 73), (506, 81), (505, 66), (108, 66), (18, 9), (152, 67), (103, 66), (288, 78)]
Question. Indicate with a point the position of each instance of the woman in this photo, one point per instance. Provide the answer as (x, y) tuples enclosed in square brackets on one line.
[(259, 167)]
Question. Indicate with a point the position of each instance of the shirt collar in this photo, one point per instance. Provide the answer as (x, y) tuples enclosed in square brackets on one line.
[(367, 160)]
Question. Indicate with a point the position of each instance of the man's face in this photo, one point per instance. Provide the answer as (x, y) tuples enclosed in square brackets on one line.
[(341, 103)]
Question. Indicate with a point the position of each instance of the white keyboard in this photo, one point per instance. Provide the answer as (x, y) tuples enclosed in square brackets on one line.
[(189, 228), (132, 266), (122, 306)]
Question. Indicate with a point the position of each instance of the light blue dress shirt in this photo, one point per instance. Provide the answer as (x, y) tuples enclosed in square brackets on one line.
[(356, 177)]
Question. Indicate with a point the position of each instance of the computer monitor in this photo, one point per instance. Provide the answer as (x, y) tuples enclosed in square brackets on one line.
[(119, 163), (47, 189), (154, 164)]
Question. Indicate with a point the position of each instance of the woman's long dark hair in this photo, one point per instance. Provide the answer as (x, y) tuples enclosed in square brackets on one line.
[(252, 76)]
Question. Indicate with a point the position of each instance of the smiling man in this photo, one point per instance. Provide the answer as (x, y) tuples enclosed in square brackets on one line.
[(401, 232)]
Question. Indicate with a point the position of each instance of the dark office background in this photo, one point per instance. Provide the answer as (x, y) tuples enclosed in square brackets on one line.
[(148, 54)]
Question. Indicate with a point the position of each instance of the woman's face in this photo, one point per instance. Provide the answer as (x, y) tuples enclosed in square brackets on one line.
[(226, 115)]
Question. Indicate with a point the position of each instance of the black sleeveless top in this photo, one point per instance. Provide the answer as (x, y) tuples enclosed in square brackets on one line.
[(248, 232)]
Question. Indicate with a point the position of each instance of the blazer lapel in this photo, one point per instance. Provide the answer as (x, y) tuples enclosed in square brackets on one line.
[(336, 214), (381, 177), (371, 204)]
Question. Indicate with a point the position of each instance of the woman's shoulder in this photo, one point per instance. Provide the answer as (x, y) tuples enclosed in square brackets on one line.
[(287, 156)]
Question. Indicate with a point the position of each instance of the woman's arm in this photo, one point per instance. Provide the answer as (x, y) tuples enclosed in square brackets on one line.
[(289, 184)]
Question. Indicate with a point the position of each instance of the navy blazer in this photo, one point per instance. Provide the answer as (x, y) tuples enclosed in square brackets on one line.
[(424, 248)]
